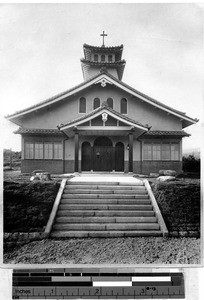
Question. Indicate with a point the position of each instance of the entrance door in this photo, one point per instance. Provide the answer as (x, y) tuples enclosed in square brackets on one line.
[(86, 157), (102, 154), (119, 157)]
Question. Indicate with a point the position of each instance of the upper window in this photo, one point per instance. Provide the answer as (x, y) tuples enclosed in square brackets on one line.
[(123, 106), (110, 58), (95, 57), (82, 105), (96, 103), (103, 57), (110, 102)]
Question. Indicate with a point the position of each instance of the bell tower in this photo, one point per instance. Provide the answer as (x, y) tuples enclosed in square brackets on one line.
[(102, 58)]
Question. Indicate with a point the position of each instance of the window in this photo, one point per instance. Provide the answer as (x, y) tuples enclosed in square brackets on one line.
[(82, 105), (29, 150), (166, 154), (96, 103), (156, 151), (103, 58), (48, 150), (95, 57), (148, 151), (38, 150), (110, 58), (57, 150), (110, 102), (123, 106), (174, 151)]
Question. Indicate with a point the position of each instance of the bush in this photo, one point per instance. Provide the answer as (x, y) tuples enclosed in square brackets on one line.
[(27, 206), (191, 164), (179, 205)]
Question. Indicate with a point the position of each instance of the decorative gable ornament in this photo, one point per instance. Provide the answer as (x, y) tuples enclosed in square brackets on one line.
[(103, 82), (104, 117)]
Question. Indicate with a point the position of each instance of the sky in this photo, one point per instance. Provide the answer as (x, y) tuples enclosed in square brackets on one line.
[(41, 46)]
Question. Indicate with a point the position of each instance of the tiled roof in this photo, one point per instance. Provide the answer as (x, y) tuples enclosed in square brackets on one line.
[(114, 48), (169, 133), (21, 130), (99, 63), (92, 113)]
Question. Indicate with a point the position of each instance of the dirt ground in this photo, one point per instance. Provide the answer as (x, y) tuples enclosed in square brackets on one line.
[(141, 250)]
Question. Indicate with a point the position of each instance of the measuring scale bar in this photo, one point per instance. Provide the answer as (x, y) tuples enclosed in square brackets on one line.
[(29, 284)]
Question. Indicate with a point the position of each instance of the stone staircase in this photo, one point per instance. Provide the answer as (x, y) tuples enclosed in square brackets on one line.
[(105, 209)]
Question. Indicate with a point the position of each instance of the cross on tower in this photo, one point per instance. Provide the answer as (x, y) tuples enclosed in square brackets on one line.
[(103, 35)]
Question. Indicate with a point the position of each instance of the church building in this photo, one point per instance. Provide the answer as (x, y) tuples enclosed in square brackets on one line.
[(102, 124)]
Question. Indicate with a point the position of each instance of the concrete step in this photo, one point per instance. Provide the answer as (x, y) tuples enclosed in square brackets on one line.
[(104, 207), (105, 213), (110, 226), (106, 220), (103, 196), (105, 234), (105, 187), (105, 201), (101, 191), (115, 183)]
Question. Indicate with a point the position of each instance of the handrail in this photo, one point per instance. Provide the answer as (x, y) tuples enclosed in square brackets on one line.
[(55, 207), (156, 209)]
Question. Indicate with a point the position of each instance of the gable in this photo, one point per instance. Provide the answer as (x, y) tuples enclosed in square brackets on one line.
[(140, 105)]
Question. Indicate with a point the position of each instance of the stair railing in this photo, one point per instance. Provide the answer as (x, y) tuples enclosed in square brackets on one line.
[(156, 209), (55, 207)]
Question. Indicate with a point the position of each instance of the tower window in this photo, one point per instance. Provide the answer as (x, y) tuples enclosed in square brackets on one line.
[(96, 103), (82, 105), (110, 58), (95, 57), (103, 57), (110, 102), (123, 106)]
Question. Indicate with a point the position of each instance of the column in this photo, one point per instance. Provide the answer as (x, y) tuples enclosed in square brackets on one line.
[(92, 159), (130, 139), (113, 158), (76, 148)]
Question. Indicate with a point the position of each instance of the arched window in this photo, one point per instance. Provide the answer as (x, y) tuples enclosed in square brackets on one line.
[(82, 105), (103, 57), (110, 58), (96, 103), (95, 57), (110, 102), (123, 106)]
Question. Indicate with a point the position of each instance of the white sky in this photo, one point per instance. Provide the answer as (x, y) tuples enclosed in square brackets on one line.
[(41, 46)]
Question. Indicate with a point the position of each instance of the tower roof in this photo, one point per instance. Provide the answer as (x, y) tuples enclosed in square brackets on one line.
[(88, 50)]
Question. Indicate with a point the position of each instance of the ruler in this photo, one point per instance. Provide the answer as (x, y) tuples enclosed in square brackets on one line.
[(95, 283)]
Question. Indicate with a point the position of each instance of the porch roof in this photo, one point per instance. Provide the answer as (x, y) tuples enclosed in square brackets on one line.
[(155, 133)]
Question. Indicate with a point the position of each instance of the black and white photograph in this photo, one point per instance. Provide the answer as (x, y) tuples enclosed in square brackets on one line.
[(101, 117)]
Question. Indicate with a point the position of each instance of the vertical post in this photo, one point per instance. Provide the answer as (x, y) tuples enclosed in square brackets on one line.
[(92, 159), (76, 148), (130, 152), (113, 158)]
